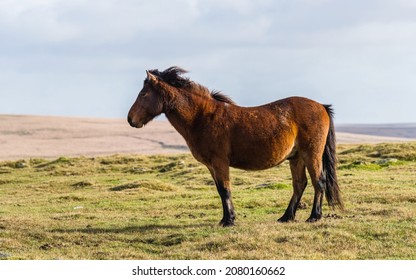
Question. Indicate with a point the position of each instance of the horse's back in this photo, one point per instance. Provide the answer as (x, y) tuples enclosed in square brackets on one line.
[(264, 136), (290, 115)]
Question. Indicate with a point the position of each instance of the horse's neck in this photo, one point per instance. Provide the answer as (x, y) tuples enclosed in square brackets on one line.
[(184, 115), (176, 121)]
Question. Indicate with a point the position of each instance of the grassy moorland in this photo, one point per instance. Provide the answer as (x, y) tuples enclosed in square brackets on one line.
[(166, 207)]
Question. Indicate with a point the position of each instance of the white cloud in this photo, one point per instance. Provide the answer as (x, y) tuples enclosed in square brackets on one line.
[(256, 51), (107, 21), (377, 34), (34, 21), (384, 33)]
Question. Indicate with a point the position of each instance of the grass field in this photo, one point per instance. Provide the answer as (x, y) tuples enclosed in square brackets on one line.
[(167, 207)]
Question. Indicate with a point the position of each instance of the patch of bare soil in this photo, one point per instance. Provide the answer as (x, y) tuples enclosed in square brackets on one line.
[(48, 137)]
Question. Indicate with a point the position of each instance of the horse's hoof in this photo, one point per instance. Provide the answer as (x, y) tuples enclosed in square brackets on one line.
[(312, 220), (285, 220), (227, 223)]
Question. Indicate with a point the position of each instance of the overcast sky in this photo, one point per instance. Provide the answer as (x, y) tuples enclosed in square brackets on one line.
[(88, 58)]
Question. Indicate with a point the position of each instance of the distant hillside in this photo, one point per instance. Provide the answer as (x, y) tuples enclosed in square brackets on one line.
[(385, 130)]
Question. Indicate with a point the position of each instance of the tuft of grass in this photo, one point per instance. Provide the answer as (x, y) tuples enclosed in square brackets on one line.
[(361, 165), (167, 207), (59, 161), (82, 184), (274, 186), (146, 184), (400, 151)]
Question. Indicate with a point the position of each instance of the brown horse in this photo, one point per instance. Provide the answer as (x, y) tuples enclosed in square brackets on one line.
[(221, 134)]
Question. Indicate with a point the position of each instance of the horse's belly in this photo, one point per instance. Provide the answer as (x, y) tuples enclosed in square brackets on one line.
[(252, 165), (259, 156)]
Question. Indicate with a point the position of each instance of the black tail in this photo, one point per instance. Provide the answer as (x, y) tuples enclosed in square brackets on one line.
[(332, 191)]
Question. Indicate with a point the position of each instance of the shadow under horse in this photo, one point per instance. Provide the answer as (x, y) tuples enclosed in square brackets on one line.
[(221, 134)]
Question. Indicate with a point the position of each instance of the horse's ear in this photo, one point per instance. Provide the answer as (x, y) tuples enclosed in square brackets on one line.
[(152, 78)]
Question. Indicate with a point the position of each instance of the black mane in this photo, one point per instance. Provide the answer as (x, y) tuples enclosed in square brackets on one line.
[(217, 95), (173, 76)]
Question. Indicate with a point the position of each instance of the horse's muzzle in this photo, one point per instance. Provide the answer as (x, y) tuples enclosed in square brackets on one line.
[(130, 121), (133, 123)]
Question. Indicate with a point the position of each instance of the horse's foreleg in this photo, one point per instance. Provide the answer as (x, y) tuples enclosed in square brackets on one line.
[(221, 177), (299, 180), (227, 204)]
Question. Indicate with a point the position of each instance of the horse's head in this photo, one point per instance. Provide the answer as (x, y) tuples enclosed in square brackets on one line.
[(149, 103)]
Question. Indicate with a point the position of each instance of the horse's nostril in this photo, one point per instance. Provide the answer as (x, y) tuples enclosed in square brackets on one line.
[(129, 120)]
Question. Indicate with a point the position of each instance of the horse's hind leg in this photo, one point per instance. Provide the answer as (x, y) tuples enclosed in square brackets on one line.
[(297, 167), (318, 182)]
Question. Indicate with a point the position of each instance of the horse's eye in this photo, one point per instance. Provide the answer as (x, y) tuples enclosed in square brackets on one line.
[(144, 94)]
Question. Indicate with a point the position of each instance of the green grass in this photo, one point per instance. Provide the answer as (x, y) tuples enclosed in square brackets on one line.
[(167, 207)]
